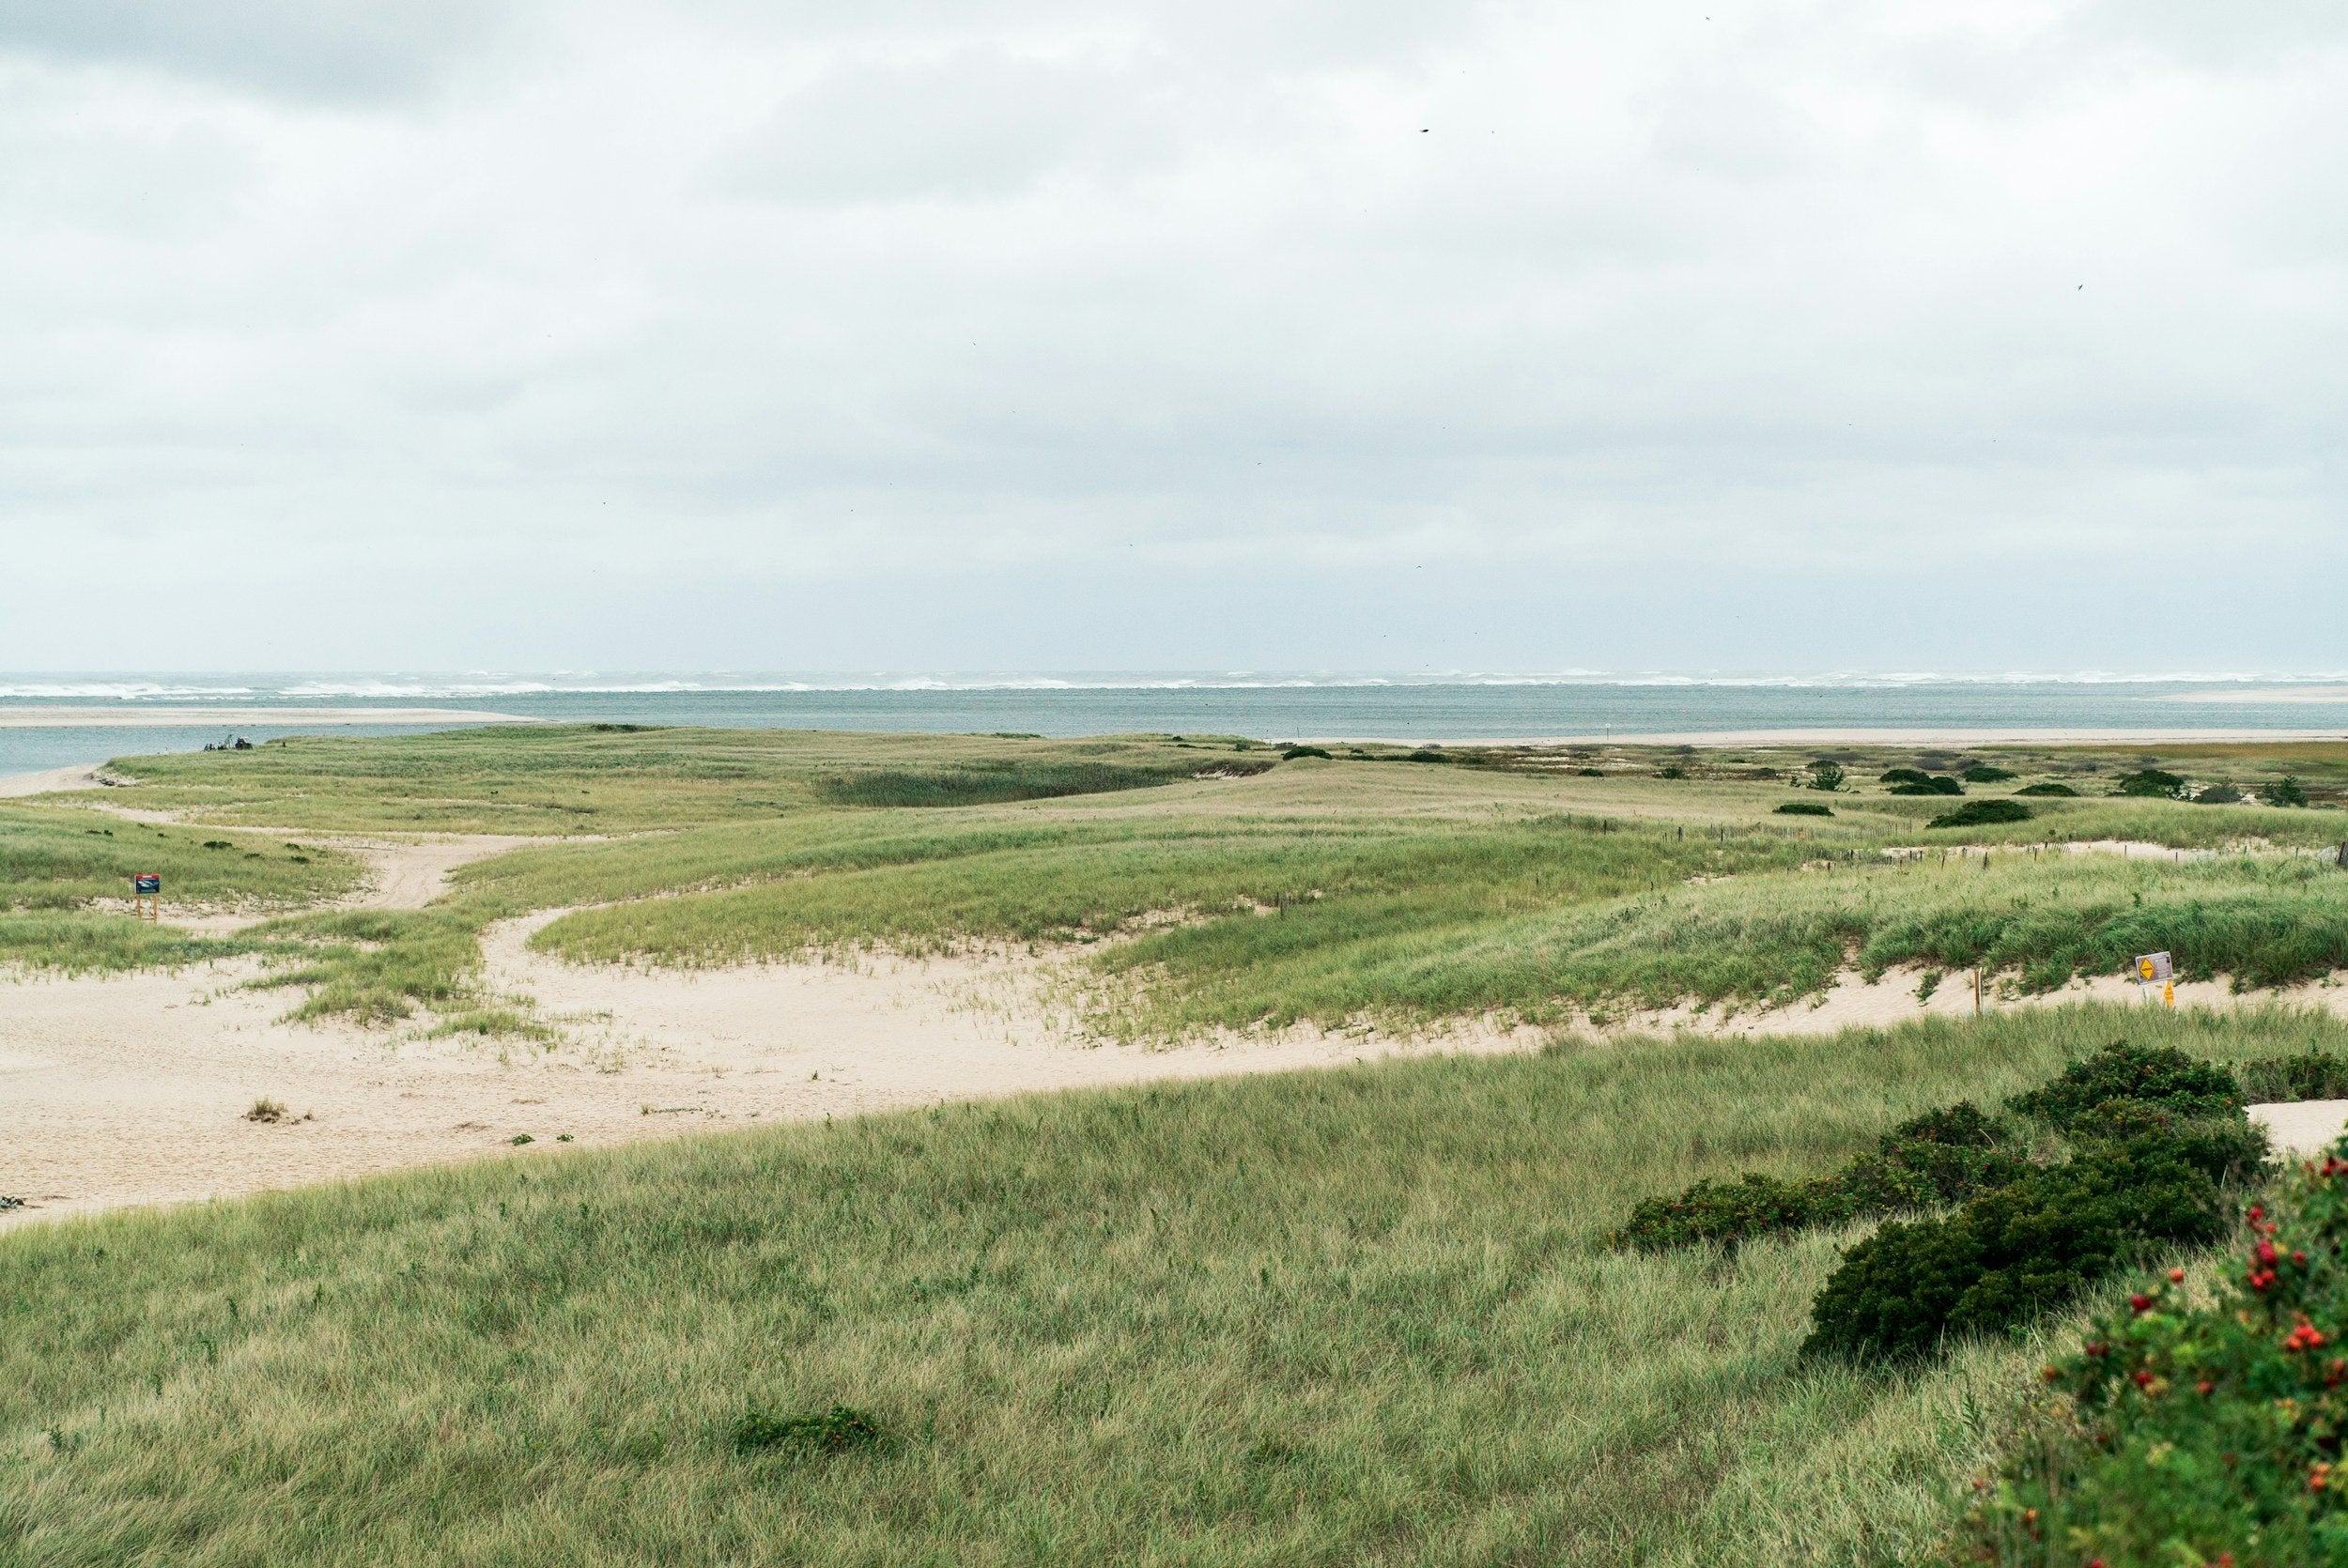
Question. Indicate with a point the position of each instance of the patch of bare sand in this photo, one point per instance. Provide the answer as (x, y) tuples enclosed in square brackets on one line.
[(134, 1089), (82, 776)]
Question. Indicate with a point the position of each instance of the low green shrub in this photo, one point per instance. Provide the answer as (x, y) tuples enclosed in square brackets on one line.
[(1936, 784), (1726, 1212), (838, 1430), (1292, 753), (1982, 813), (2285, 791), (1988, 773), (2199, 1432), (2151, 784), (2050, 790), (2156, 1075), (2223, 793), (1904, 776), (1941, 1157), (2012, 1255), (1805, 808), (2157, 1135), (1426, 755), (2313, 1075)]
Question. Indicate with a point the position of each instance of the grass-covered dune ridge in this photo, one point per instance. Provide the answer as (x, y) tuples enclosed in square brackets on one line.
[(1254, 891), (64, 873), (607, 778), (1366, 1315)]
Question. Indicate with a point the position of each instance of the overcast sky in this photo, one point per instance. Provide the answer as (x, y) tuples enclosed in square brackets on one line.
[(1201, 334)]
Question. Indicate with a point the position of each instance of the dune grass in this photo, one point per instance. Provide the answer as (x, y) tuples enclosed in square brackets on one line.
[(1309, 888), (1539, 918), (1363, 1315), (59, 858), (570, 780), (64, 873)]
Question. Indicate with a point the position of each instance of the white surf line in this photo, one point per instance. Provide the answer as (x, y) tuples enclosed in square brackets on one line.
[(38, 717)]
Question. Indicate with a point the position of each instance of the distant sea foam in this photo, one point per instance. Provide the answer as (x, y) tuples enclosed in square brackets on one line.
[(485, 685)]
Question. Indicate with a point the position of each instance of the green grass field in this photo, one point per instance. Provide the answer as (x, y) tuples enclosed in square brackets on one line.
[(1351, 1316), (1258, 892)]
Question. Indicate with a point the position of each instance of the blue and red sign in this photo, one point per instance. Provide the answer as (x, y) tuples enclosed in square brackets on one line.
[(145, 882)]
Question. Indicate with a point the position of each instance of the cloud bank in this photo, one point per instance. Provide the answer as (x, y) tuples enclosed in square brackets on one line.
[(990, 334)]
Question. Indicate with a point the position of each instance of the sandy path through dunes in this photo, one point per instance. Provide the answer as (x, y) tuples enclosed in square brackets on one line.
[(406, 873), (134, 1090)]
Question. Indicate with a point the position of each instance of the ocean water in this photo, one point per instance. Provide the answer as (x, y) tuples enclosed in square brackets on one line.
[(1271, 706)]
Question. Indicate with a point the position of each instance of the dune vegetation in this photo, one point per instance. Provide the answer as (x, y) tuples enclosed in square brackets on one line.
[(1250, 888), (1366, 1315)]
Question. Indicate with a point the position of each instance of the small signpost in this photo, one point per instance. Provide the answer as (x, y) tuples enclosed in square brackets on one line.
[(2155, 969), (146, 897)]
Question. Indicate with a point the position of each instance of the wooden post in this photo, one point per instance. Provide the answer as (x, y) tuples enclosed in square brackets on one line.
[(1976, 990)]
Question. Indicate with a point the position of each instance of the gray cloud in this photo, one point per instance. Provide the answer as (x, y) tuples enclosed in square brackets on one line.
[(310, 49), (544, 338)]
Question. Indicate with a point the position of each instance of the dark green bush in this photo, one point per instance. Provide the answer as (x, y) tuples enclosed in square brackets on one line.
[(1589, 772), (2153, 784), (1942, 1157), (838, 1430), (2012, 1255), (2155, 1074), (1805, 808), (1988, 773), (1292, 753), (1982, 813), (1904, 776), (2062, 791), (2221, 794), (2285, 791), (1427, 753), (2315, 1075), (1936, 784), (1826, 773), (1728, 1212)]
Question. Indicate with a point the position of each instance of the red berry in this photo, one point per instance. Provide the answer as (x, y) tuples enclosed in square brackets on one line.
[(2141, 1303), (2176, 1276)]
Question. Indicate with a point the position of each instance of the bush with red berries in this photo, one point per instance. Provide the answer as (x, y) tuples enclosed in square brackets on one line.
[(2200, 1431)]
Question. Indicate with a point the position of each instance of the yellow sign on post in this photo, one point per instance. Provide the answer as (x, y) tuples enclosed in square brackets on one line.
[(2156, 969)]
